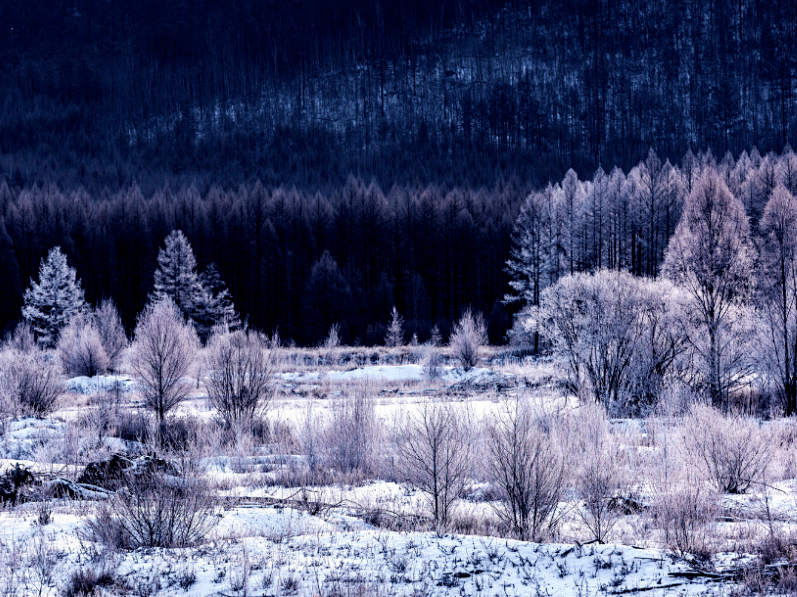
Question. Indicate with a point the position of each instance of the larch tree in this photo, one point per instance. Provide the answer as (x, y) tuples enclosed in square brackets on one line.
[(711, 258), (778, 293), (56, 298)]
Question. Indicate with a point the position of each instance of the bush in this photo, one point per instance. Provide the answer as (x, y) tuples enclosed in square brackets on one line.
[(241, 367), (85, 581), (80, 349), (599, 479), (352, 435), (434, 455), (111, 332), (470, 334), (732, 452), (527, 467), (156, 510), (30, 383)]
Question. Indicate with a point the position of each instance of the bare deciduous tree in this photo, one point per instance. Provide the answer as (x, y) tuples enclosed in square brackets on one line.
[(613, 331), (162, 352), (711, 257), (434, 454), (469, 335), (241, 367), (527, 466), (778, 294), (80, 348)]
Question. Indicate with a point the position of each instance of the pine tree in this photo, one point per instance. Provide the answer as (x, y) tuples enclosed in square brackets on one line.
[(216, 306), (176, 275), (54, 300), (395, 331)]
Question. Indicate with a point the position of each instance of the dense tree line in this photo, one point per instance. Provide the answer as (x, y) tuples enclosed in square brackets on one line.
[(293, 261), (713, 305), (299, 261), (445, 91)]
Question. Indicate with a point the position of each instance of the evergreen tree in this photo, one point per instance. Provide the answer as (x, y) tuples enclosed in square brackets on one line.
[(54, 300), (395, 331), (216, 304), (176, 276)]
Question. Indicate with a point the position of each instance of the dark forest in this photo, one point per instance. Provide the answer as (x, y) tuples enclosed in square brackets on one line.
[(400, 136)]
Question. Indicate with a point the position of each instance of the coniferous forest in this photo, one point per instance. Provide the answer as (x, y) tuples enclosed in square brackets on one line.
[(336, 159)]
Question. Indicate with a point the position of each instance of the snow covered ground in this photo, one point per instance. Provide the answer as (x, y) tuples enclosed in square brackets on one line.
[(272, 539), (282, 551)]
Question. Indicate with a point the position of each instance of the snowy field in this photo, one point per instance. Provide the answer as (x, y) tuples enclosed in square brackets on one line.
[(275, 529)]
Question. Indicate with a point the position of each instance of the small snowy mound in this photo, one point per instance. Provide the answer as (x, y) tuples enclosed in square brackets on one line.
[(99, 384), (402, 374)]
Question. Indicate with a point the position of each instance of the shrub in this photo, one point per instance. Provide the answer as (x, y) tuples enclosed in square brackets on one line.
[(30, 383), (352, 434), (434, 455), (80, 348), (732, 452), (84, 582), (599, 478), (111, 332), (527, 467), (241, 368), (156, 510), (470, 334)]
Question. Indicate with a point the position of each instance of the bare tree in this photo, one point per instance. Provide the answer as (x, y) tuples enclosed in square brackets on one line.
[(162, 352), (241, 368), (613, 331), (778, 294), (434, 454), (467, 339), (80, 348), (527, 466), (711, 257), (600, 478), (112, 333)]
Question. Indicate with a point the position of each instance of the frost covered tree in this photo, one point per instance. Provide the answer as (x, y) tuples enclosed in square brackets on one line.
[(80, 348), (467, 339), (52, 301), (176, 276), (111, 332), (241, 367), (614, 332), (163, 349), (778, 293), (710, 257), (395, 331), (434, 454), (215, 304)]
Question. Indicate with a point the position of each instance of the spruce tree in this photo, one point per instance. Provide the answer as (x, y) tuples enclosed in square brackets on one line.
[(176, 276), (54, 300), (216, 306), (395, 331)]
